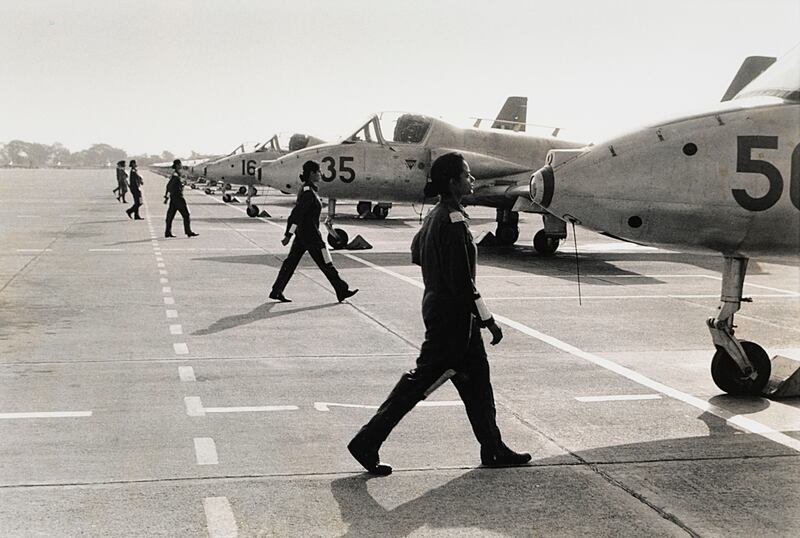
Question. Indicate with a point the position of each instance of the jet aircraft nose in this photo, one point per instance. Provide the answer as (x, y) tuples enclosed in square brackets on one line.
[(282, 174), (542, 186)]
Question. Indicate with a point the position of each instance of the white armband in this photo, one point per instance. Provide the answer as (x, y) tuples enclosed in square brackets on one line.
[(326, 255), (292, 229), (483, 310)]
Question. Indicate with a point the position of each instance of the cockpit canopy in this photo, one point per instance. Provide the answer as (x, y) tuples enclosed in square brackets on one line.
[(392, 128), (781, 79)]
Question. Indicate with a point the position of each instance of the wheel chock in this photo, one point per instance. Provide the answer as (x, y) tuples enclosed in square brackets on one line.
[(486, 239), (784, 380), (234, 200), (264, 214), (358, 243)]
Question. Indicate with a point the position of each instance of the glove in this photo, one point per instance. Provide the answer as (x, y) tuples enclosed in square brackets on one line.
[(286, 239), (497, 334), (165, 199)]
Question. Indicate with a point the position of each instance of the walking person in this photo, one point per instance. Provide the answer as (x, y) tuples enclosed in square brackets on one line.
[(122, 182), (303, 223), (177, 203), (453, 313), (136, 191)]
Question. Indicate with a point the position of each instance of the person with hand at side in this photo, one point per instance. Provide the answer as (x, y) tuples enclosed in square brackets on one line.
[(136, 191), (177, 203), (454, 313)]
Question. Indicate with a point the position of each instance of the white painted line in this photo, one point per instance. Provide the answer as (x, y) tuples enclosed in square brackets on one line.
[(169, 300), (47, 414), (106, 250), (186, 373), (166, 289), (219, 518), (252, 409), (160, 265), (159, 259), (735, 420), (181, 349), (175, 329), (194, 407), (205, 451), (668, 296), (34, 250), (325, 406), (164, 280), (618, 398), (162, 272), (172, 313)]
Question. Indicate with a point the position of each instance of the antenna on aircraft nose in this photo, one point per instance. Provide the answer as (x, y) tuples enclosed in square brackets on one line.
[(577, 261)]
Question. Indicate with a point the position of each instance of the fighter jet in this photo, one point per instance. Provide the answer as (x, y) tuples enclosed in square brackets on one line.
[(165, 168), (389, 157), (725, 180), (242, 165)]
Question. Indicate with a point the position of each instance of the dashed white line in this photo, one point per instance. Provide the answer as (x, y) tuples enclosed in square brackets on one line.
[(205, 451), (159, 259), (219, 518), (160, 265), (186, 373), (162, 272), (175, 329), (34, 250), (106, 250), (164, 280), (169, 300), (194, 407), (172, 313), (251, 409), (166, 289), (46, 414), (181, 349), (618, 398)]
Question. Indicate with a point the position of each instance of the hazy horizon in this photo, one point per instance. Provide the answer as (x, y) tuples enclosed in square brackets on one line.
[(181, 75)]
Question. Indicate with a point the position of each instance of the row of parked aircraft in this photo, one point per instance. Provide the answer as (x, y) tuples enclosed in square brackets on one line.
[(723, 180)]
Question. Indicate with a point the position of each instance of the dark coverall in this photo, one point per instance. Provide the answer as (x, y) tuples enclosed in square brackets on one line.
[(177, 203), (453, 348), (304, 219), (135, 181)]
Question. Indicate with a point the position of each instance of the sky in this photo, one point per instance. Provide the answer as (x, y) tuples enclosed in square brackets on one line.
[(205, 75)]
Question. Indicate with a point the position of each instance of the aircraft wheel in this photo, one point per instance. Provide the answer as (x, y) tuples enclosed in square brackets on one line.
[(727, 376), (213, 183), (252, 211), (341, 242), (544, 245), (192, 186), (228, 186), (226, 198), (242, 190), (208, 191), (507, 235), (255, 191), (380, 212)]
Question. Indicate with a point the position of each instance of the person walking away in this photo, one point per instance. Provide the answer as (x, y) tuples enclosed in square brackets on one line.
[(177, 203), (136, 191), (303, 223), (122, 182), (454, 313)]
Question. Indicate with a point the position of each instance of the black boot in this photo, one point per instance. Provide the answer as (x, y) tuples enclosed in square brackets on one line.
[(367, 456), (503, 456), (278, 296), (344, 294)]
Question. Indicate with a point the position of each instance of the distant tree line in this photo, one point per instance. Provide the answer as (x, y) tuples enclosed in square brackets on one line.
[(19, 153)]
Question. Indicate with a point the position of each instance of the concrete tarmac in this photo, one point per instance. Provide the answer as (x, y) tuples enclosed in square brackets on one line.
[(148, 386)]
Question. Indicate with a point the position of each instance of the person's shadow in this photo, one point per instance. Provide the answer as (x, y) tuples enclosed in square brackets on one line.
[(263, 311)]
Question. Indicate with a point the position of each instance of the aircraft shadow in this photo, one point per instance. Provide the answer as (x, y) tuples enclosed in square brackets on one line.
[(550, 497), (261, 312)]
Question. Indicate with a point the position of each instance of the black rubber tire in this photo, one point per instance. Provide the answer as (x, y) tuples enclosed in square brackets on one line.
[(727, 376), (341, 243), (380, 212), (253, 211), (226, 198), (255, 191), (506, 235), (228, 186), (546, 246), (242, 190)]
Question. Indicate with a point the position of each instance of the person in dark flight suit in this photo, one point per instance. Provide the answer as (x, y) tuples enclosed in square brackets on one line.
[(177, 203), (453, 313), (303, 223), (136, 190), (122, 182)]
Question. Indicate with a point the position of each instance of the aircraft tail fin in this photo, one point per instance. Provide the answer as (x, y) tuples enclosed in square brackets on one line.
[(751, 67), (513, 115)]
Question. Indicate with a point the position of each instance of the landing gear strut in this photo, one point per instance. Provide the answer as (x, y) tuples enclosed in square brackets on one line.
[(738, 367), (547, 240), (337, 238), (507, 231)]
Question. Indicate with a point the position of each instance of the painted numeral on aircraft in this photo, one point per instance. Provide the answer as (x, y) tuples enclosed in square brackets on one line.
[(248, 168), (347, 174), (745, 163)]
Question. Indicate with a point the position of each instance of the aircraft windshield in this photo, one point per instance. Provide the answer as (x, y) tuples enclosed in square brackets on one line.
[(781, 79), (393, 127), (245, 147)]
